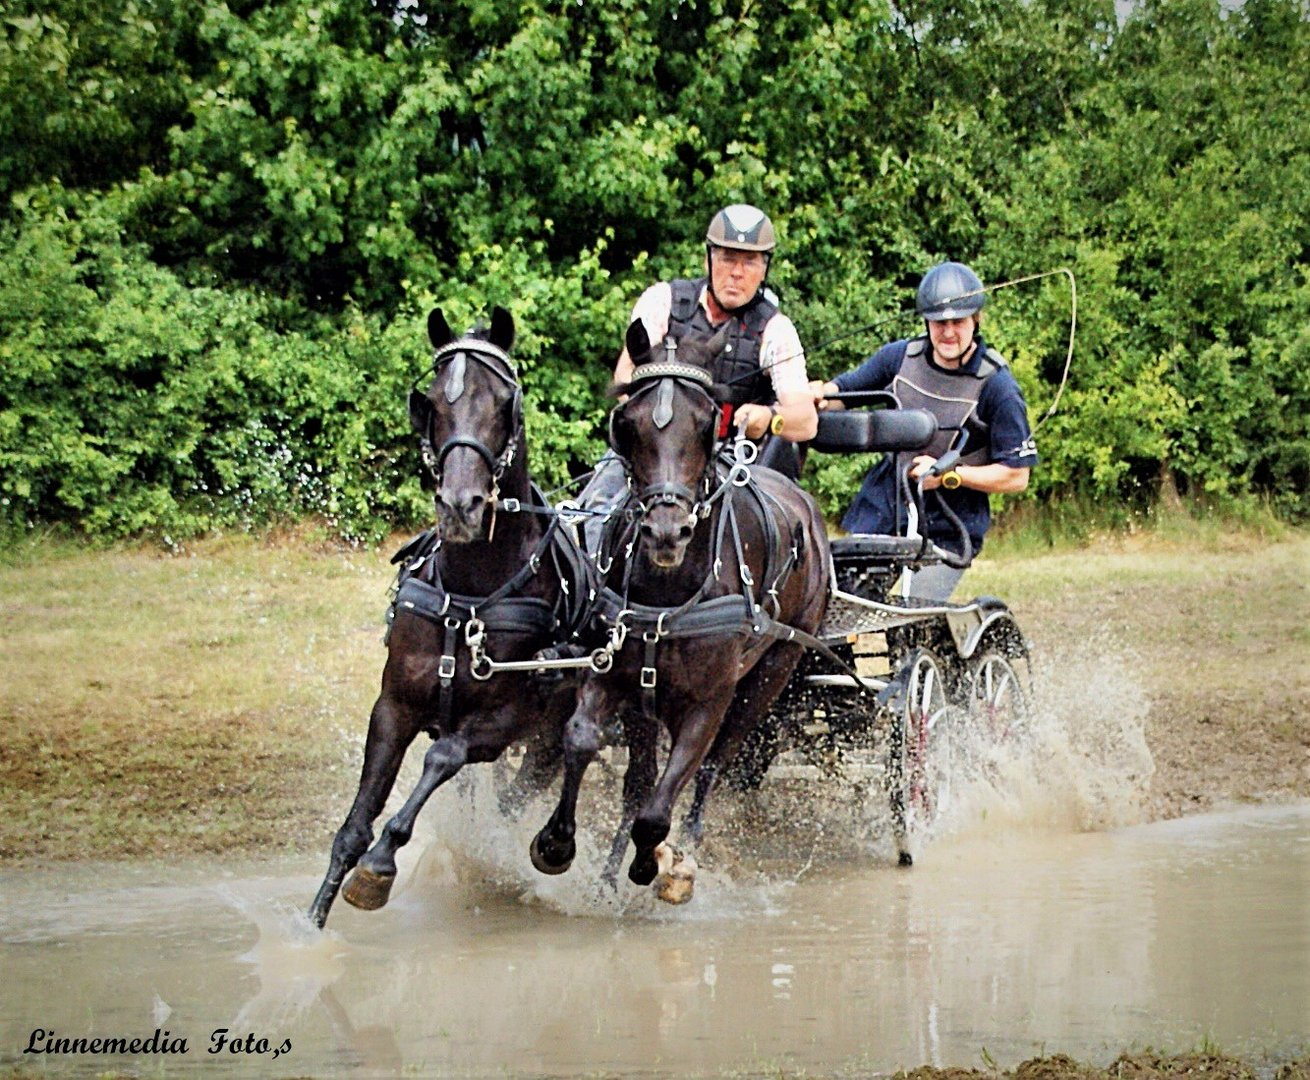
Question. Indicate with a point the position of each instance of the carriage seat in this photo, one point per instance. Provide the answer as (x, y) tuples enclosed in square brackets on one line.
[(869, 547), (859, 431)]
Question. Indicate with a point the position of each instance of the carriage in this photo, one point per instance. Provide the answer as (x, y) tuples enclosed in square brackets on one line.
[(913, 692), (715, 618)]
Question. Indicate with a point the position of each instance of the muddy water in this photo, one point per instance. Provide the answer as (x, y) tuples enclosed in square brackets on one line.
[(1006, 940)]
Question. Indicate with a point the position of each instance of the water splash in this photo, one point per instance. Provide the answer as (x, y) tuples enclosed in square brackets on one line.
[(1080, 763), (294, 961)]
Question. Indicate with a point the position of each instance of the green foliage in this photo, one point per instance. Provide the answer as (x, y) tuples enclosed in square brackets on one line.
[(223, 225), (134, 404), (88, 90)]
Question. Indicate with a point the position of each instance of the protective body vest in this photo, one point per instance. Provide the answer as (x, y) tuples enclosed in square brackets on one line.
[(738, 365), (950, 396)]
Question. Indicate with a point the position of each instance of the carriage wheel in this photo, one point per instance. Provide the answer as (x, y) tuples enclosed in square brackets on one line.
[(920, 752), (997, 701)]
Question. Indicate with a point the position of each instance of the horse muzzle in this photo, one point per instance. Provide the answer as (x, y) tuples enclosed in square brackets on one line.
[(462, 515), (665, 536)]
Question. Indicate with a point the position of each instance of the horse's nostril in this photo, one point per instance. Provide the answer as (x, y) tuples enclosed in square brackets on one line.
[(647, 529), (684, 533)]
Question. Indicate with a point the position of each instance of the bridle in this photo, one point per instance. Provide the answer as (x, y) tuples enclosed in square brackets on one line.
[(658, 379), (456, 356)]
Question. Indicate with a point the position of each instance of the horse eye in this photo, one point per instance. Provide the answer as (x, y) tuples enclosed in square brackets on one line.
[(621, 434), (710, 434)]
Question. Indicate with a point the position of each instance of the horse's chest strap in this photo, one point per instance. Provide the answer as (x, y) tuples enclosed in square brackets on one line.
[(649, 674), (510, 614), (446, 671)]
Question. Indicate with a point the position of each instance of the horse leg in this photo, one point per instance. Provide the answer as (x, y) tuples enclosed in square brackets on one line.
[(690, 745), (388, 738), (553, 848), (369, 886), (542, 758), (756, 693), (638, 782)]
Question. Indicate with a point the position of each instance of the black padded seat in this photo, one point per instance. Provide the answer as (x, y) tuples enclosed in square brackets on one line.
[(860, 431), (862, 547)]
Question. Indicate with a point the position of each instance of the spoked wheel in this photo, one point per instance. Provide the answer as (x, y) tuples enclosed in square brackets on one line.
[(997, 702), (919, 755)]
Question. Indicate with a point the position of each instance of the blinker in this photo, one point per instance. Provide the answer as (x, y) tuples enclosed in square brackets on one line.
[(455, 381)]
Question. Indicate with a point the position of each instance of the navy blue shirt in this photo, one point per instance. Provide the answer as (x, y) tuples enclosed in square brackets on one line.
[(879, 509)]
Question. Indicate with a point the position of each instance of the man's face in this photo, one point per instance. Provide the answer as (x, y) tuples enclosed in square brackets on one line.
[(951, 340), (736, 275)]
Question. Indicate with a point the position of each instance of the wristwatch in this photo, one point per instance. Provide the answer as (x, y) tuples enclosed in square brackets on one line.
[(776, 422), (951, 480)]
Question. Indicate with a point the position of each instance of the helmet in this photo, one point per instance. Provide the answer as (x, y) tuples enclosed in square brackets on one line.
[(950, 290), (746, 228)]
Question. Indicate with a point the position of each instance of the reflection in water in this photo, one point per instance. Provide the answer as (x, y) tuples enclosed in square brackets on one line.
[(1017, 941)]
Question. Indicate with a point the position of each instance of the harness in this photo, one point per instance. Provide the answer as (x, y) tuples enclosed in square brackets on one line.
[(468, 620), (725, 493), (950, 396), (738, 365)]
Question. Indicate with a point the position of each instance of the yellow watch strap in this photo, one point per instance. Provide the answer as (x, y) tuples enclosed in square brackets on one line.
[(776, 422)]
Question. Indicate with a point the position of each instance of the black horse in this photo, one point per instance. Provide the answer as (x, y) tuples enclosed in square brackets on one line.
[(497, 580), (714, 574)]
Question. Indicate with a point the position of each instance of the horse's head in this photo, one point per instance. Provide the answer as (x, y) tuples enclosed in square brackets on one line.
[(666, 433), (470, 421)]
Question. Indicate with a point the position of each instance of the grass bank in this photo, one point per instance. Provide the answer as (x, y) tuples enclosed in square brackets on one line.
[(215, 698)]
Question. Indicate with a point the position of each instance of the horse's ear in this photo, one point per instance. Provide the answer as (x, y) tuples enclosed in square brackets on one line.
[(420, 412), (439, 332), (638, 343), (715, 345), (502, 329)]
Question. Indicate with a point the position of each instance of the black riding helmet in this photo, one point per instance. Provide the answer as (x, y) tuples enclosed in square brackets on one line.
[(950, 290), (740, 227)]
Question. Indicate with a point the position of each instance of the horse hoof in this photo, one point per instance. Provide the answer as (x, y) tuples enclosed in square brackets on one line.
[(676, 880), (537, 853), (642, 871), (367, 890), (904, 859)]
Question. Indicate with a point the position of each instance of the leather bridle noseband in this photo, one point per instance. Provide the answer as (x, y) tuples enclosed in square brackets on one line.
[(488, 356)]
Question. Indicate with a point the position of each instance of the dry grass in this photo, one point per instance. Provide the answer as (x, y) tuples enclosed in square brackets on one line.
[(1220, 629), (202, 702), (216, 699)]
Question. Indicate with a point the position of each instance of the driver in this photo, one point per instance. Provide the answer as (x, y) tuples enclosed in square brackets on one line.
[(762, 358), (951, 372)]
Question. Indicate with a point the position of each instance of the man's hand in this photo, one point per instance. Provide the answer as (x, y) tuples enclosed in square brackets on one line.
[(993, 479), (753, 419), (821, 391), (791, 417), (922, 463)]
